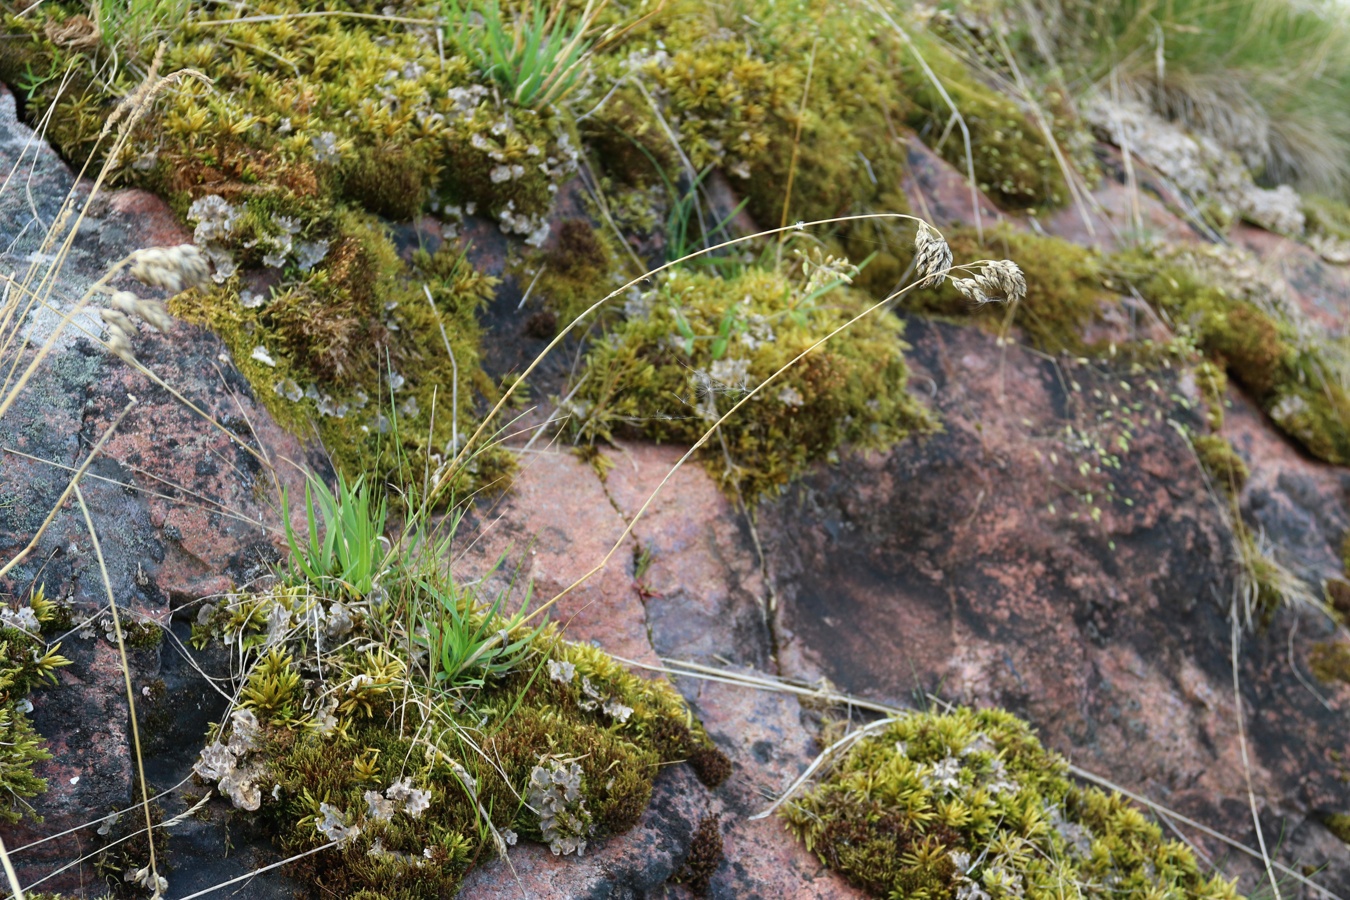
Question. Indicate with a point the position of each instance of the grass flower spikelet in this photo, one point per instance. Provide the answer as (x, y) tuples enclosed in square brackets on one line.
[(933, 257)]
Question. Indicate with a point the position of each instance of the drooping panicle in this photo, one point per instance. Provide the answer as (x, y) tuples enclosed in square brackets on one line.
[(933, 257)]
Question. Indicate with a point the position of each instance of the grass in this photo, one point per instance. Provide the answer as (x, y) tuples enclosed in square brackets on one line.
[(536, 58), (1266, 78)]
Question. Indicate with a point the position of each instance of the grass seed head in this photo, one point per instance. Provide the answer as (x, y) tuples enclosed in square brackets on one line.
[(933, 257), (1000, 281), (171, 268)]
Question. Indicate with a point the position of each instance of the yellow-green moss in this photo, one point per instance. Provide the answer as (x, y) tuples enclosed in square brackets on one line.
[(1064, 287), (357, 351), (1327, 217), (696, 344), (1221, 461), (1339, 825), (575, 273), (304, 130), (26, 661), (1330, 661), (942, 805), (1261, 352), (337, 746), (1013, 162)]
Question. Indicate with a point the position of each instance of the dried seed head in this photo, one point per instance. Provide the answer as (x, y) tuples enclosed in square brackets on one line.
[(120, 343), (124, 302), (155, 314), (118, 321), (172, 268), (1011, 282), (933, 258), (1000, 281)]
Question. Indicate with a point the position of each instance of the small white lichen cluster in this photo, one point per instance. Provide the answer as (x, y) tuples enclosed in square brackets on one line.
[(500, 143), (597, 700), (22, 618), (400, 796), (325, 404), (554, 793), (217, 221), (1196, 164), (333, 825), (227, 764)]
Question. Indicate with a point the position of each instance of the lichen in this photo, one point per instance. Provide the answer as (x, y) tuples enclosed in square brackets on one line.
[(969, 805), (696, 344)]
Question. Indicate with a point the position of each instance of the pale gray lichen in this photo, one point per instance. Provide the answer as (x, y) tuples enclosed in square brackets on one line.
[(554, 794)]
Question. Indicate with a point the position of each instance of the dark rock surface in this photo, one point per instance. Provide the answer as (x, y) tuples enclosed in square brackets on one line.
[(181, 499)]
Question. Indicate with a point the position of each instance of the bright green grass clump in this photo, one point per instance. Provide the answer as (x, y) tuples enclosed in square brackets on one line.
[(969, 805), (696, 344)]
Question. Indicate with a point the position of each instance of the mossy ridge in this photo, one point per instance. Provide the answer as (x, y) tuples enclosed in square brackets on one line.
[(968, 804), (697, 343), (1064, 288), (356, 350), (1290, 378), (310, 127), (414, 779), (1012, 159), (26, 662)]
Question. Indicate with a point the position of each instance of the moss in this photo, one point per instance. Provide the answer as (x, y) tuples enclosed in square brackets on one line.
[(1064, 288), (1339, 825), (417, 790), (1012, 160), (1260, 351), (576, 272), (939, 805), (26, 662), (1330, 661), (1338, 598), (699, 343), (306, 130), (142, 635), (705, 855), (803, 133), (355, 349), (1327, 216), (1221, 462)]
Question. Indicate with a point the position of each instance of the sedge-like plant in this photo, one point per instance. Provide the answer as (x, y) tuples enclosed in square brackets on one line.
[(469, 642), (344, 541), (536, 57)]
